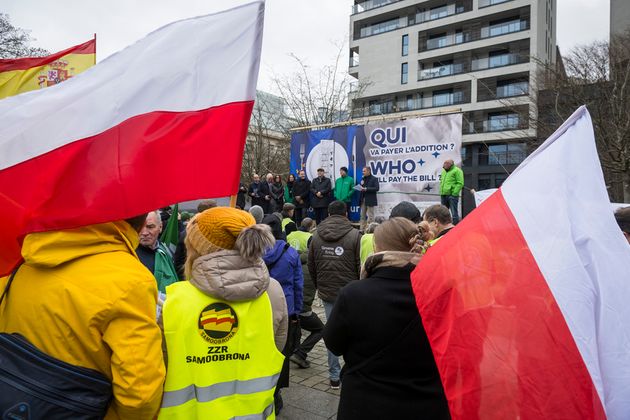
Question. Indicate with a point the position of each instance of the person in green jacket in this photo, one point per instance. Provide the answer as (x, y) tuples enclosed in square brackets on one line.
[(451, 184), (344, 187)]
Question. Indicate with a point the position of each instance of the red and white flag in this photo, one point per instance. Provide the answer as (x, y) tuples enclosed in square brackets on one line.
[(526, 302), (160, 122)]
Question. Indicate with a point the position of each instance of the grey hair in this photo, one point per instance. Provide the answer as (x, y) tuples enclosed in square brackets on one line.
[(157, 217), (254, 241)]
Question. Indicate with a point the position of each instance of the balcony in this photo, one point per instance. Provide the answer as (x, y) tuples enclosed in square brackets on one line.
[(510, 90), (434, 101), (441, 71), (379, 28), (502, 60), (486, 3), (408, 17), (504, 28), (439, 13), (370, 4), (496, 123), (448, 40), (469, 33)]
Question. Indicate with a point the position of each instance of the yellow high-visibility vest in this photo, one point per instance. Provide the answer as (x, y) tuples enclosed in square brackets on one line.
[(222, 358), (285, 222), (299, 240)]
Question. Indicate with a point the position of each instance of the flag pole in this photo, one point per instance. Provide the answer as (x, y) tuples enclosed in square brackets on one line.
[(233, 201), (94, 48)]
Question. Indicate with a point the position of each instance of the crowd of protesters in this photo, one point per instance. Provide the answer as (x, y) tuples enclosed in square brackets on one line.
[(211, 330)]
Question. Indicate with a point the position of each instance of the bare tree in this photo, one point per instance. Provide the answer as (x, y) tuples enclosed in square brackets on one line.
[(318, 96), (598, 76), (14, 42), (268, 142)]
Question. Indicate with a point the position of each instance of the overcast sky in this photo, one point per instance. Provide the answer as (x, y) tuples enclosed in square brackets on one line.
[(308, 29)]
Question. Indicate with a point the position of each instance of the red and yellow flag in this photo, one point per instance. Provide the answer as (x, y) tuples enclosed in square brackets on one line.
[(19, 75)]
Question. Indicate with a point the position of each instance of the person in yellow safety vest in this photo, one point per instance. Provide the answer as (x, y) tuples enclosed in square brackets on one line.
[(367, 242), (439, 219), (301, 237), (288, 225), (226, 326)]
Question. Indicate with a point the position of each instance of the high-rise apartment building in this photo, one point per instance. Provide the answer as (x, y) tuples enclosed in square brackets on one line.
[(478, 57)]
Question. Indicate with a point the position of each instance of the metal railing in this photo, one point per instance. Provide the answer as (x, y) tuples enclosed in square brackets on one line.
[(441, 71), (486, 3), (439, 13), (498, 61), (504, 28), (388, 107), (379, 28), (496, 125)]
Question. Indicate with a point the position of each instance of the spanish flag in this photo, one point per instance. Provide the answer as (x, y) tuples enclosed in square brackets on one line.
[(19, 75)]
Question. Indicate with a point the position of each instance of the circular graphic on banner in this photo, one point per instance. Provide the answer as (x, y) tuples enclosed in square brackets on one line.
[(328, 155), (217, 323)]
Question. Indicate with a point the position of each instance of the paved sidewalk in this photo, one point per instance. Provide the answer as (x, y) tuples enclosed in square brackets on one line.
[(309, 396)]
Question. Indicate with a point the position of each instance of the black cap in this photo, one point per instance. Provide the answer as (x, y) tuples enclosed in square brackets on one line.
[(407, 210)]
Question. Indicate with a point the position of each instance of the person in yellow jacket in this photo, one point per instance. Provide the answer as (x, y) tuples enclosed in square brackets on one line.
[(83, 297), (226, 326)]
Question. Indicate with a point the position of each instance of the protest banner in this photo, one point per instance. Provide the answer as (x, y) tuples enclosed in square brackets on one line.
[(405, 155)]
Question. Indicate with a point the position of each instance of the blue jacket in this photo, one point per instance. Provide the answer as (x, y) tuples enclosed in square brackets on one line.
[(284, 265)]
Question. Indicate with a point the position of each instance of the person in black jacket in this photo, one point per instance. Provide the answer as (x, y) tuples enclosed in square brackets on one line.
[(240, 196), (320, 188), (389, 371), (369, 188), (333, 261), (259, 192), (301, 192)]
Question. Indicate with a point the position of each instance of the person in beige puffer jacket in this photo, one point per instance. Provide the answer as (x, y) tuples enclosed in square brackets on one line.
[(224, 249)]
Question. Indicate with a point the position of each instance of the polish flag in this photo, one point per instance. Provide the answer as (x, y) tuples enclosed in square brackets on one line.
[(526, 302), (160, 122)]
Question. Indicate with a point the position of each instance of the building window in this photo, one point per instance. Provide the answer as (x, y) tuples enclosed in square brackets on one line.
[(484, 182), (500, 58), (437, 41), (438, 12), (405, 45), (506, 154), (443, 97), (410, 104), (501, 122), (404, 73), (509, 88)]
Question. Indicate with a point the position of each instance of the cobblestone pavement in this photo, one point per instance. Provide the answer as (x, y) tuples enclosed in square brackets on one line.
[(309, 396)]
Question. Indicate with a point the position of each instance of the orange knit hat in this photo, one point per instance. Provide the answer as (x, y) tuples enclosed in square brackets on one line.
[(217, 228)]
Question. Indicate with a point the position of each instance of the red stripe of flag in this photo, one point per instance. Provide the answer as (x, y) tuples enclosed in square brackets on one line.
[(500, 341), (124, 170)]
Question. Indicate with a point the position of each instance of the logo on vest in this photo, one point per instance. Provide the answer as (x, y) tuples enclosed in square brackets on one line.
[(217, 323), (339, 251)]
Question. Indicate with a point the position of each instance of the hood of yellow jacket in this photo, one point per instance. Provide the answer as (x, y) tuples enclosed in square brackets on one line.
[(50, 249)]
